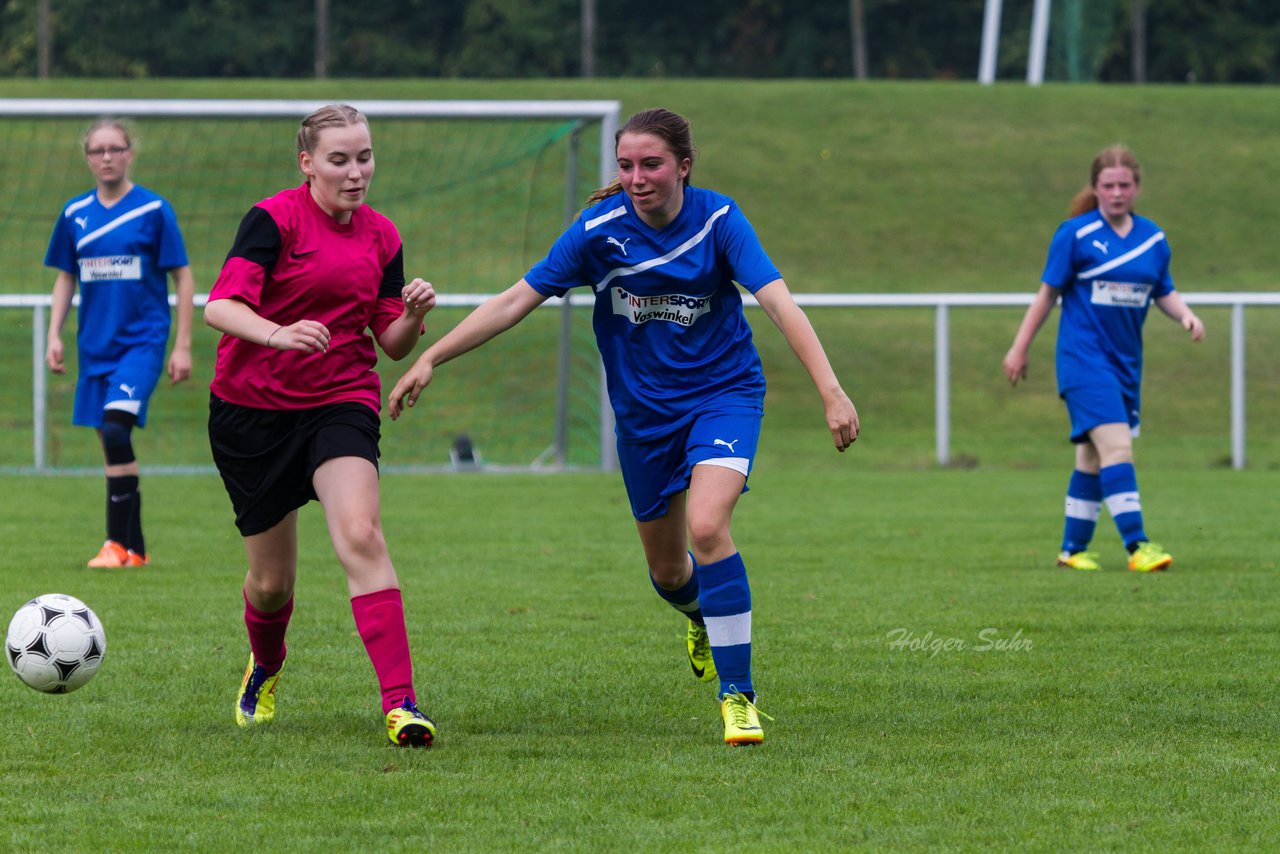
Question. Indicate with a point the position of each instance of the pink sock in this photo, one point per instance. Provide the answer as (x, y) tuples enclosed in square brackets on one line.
[(380, 622), (266, 634)]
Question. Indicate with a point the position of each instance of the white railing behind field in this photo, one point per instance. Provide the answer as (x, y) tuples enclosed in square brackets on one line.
[(940, 303)]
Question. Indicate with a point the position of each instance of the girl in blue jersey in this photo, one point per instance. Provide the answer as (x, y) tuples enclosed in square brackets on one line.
[(1108, 264), (119, 241), (683, 377)]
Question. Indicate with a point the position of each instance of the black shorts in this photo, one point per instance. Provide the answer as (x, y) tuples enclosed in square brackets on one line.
[(267, 456)]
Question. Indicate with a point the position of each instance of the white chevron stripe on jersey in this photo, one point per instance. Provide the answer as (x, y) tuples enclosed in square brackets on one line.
[(1117, 261), (603, 218), (670, 256), (1086, 230), (117, 222), (75, 206)]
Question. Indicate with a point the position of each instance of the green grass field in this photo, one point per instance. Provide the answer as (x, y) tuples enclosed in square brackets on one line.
[(1119, 712), (883, 187)]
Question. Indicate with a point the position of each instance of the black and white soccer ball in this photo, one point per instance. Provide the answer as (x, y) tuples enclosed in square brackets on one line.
[(55, 643)]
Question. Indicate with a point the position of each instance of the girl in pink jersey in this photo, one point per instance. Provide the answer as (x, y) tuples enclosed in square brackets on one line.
[(293, 411)]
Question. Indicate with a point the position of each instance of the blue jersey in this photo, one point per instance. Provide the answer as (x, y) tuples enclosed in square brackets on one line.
[(121, 255), (1107, 283), (668, 316)]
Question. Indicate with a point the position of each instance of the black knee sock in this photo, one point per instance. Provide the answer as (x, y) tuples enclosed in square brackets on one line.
[(136, 543), (121, 494)]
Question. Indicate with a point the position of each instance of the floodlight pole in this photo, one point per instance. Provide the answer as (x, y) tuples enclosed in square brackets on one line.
[(588, 38), (44, 41), (990, 42), (322, 39), (1039, 39)]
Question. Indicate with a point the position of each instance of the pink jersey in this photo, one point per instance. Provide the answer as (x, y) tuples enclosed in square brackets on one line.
[(291, 261)]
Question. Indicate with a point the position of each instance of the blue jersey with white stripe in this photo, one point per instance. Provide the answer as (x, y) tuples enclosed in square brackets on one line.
[(1107, 283), (121, 255), (668, 316)]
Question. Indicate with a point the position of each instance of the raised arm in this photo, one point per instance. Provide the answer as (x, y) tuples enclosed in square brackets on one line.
[(1176, 307), (490, 319), (842, 418), (399, 339), (1015, 361)]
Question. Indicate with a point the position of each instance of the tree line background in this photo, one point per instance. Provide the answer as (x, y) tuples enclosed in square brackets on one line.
[(1213, 41)]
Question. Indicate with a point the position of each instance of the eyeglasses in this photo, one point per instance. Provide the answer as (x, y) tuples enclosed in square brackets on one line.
[(99, 153)]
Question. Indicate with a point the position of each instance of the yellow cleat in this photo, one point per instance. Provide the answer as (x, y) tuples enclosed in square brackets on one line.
[(700, 660), (1079, 560), (741, 719), (111, 555), (256, 702), (1149, 557), (408, 727)]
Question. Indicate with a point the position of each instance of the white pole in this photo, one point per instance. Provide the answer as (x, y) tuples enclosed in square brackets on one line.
[(39, 413), (1237, 386), (990, 42), (1039, 38), (942, 385), (608, 171)]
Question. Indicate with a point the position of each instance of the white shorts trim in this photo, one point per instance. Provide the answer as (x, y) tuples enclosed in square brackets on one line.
[(130, 406), (741, 465)]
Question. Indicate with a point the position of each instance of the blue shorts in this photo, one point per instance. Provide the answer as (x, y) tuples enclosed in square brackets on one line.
[(1089, 407), (655, 471), (127, 387)]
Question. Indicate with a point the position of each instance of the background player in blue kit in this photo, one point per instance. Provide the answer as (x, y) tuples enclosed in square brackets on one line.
[(119, 241), (1108, 264), (683, 375)]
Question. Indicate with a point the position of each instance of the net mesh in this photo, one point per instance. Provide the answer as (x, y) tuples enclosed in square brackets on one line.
[(477, 202)]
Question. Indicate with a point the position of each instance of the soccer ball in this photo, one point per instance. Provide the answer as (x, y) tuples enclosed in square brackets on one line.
[(55, 643)]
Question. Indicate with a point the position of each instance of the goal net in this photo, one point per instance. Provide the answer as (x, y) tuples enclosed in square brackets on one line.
[(478, 189)]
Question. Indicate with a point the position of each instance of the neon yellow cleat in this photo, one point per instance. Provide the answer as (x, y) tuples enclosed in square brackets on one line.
[(741, 719), (256, 702), (1079, 560), (1149, 557), (700, 660), (408, 727), (111, 555)]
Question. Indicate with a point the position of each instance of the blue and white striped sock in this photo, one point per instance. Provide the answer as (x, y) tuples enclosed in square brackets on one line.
[(1120, 488), (725, 597), (685, 598), (1084, 503)]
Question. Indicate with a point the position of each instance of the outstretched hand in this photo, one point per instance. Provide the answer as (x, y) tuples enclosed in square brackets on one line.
[(409, 387)]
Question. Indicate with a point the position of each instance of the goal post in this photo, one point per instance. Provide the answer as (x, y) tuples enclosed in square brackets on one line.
[(478, 189)]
